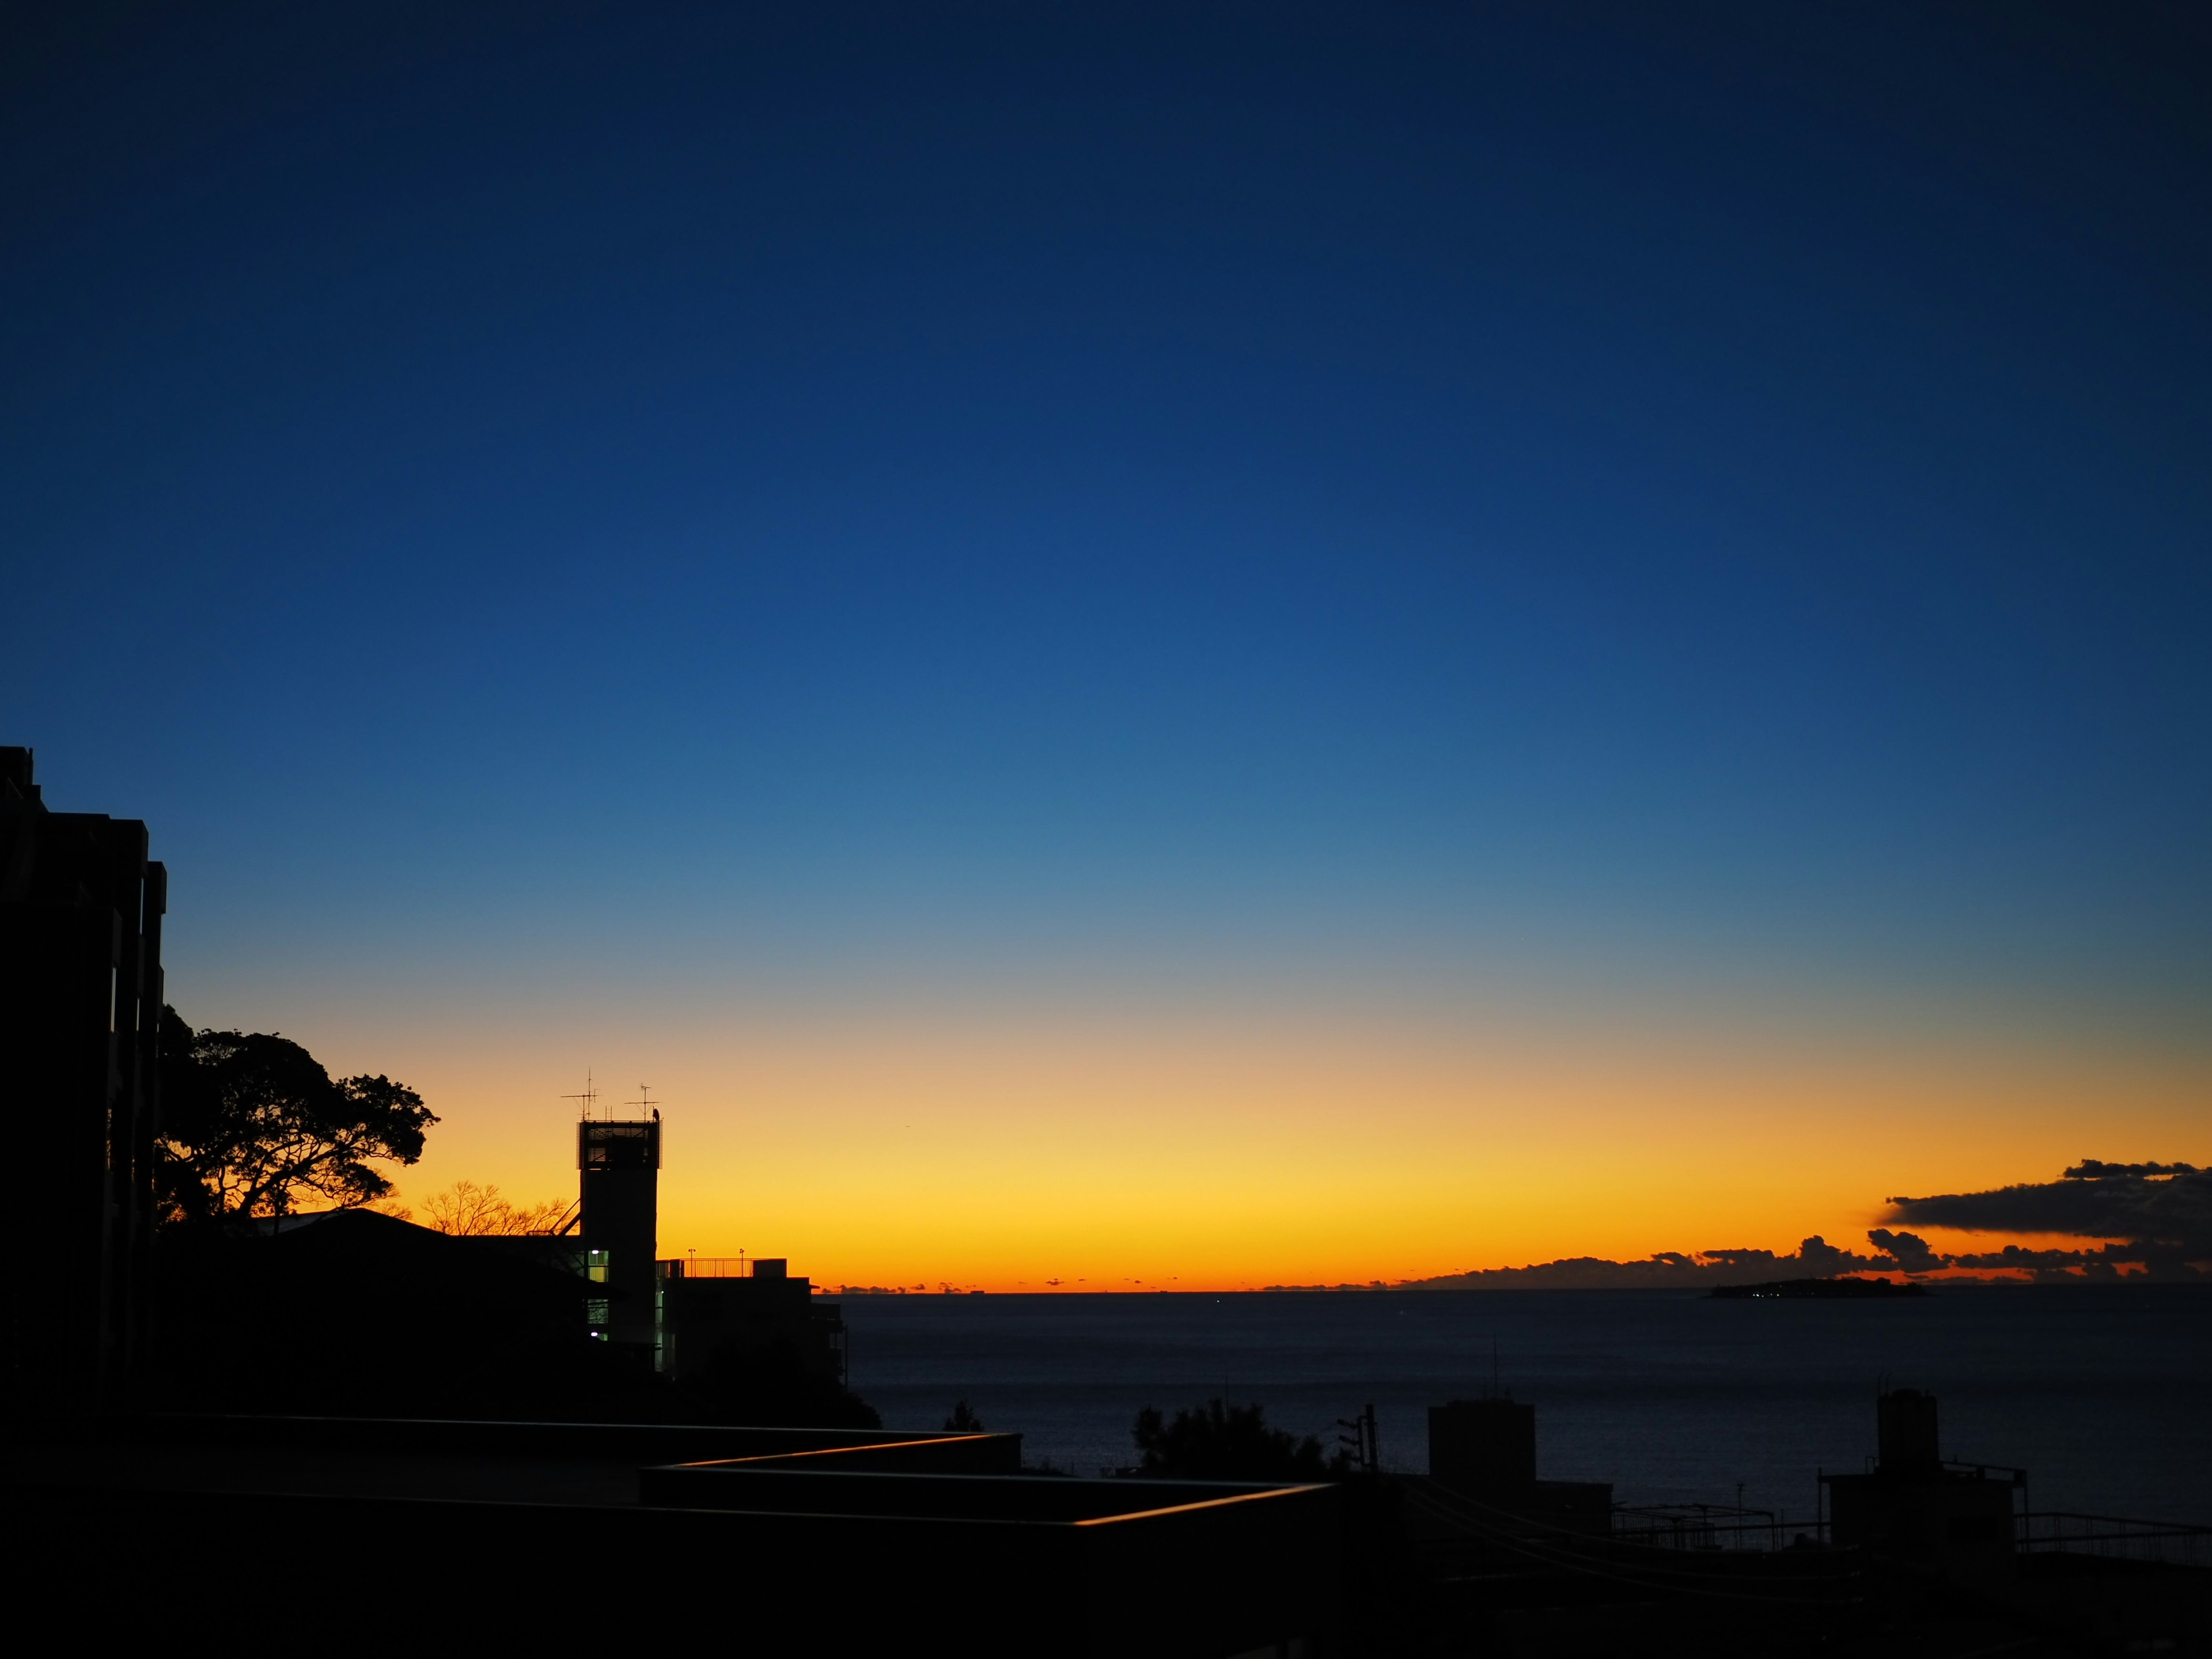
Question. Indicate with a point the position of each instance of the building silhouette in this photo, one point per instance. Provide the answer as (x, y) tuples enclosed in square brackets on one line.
[(1486, 1451), (80, 908), (618, 1210), (714, 1322), (1914, 1506), (725, 1323)]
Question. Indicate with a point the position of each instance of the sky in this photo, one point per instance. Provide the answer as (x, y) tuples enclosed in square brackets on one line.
[(1189, 645)]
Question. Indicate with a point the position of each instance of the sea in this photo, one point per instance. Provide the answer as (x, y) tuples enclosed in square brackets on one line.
[(2102, 1393)]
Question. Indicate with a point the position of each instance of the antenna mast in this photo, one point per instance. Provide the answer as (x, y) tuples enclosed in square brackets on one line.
[(588, 1098)]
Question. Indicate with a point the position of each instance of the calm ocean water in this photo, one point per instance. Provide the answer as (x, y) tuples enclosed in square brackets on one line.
[(2103, 1393)]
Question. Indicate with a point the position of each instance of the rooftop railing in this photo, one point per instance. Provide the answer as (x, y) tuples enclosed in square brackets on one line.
[(1707, 1527), (2042, 1531), (720, 1266), (2061, 1532)]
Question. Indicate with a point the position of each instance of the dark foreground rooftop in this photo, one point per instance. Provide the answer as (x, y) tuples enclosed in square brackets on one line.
[(782, 1540)]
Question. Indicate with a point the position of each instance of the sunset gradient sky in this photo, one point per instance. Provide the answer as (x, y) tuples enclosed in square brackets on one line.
[(1224, 646)]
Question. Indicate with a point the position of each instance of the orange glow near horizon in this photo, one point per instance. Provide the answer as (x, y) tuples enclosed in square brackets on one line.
[(1155, 1151)]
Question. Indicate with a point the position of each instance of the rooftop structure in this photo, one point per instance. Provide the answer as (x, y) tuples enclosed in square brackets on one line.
[(1914, 1506), (717, 1324), (1485, 1450)]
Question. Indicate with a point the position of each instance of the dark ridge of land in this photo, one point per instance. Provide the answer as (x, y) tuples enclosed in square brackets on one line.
[(1818, 1290)]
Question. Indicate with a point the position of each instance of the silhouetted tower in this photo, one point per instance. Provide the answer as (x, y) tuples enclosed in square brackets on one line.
[(618, 1161), (1905, 1432), (1913, 1506), (81, 910), (1486, 1451)]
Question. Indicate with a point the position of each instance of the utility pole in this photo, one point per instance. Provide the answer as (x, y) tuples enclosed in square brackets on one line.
[(1362, 1443)]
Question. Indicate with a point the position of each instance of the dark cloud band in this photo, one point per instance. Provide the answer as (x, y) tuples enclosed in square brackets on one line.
[(2163, 1211), (2151, 1219)]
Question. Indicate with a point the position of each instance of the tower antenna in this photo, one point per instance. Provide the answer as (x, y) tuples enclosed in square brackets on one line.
[(645, 1100), (590, 1096)]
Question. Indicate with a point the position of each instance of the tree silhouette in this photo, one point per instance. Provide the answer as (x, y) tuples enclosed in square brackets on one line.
[(252, 1125), (467, 1211), (1228, 1443), (963, 1419)]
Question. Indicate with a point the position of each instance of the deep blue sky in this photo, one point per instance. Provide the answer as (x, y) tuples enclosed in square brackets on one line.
[(840, 490)]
